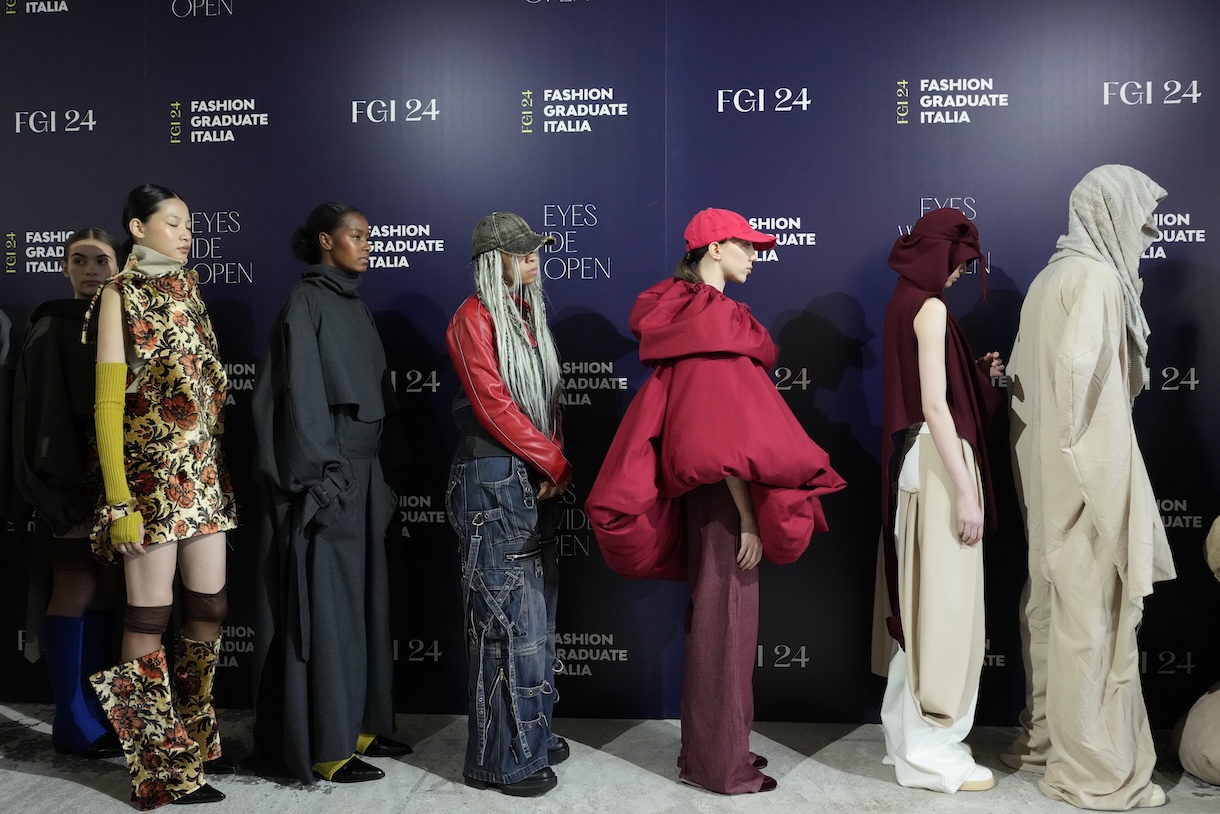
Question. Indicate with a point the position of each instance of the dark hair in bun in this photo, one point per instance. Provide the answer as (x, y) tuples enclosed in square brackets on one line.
[(325, 218), (142, 203)]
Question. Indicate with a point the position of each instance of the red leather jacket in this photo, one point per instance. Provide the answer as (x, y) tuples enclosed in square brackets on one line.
[(471, 338)]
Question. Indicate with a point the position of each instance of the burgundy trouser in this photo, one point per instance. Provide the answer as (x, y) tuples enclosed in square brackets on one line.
[(721, 640)]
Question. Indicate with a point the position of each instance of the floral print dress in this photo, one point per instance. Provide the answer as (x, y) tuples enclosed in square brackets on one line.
[(175, 406)]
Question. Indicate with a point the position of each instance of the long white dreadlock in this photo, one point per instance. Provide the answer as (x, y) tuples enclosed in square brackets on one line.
[(532, 374)]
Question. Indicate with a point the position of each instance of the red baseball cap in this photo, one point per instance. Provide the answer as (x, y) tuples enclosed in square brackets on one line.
[(716, 225)]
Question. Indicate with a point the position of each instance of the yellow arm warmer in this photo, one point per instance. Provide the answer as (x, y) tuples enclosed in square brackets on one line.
[(108, 407)]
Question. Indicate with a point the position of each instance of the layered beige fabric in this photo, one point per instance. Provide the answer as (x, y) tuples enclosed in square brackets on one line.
[(940, 589), (1200, 747), (1212, 545), (1096, 541), (932, 687)]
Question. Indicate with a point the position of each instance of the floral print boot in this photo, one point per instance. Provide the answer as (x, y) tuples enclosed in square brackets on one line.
[(194, 674), (164, 761)]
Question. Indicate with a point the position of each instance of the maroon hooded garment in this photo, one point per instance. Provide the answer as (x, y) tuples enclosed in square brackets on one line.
[(709, 410), (939, 242)]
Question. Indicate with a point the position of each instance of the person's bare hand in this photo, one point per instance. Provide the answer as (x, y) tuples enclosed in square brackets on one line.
[(969, 521), (548, 490), (993, 364), (751, 551)]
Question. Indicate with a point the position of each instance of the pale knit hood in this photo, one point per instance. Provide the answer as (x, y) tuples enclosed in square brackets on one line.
[(1110, 221)]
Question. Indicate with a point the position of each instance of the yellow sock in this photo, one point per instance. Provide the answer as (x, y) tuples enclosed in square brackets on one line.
[(327, 770), (363, 742)]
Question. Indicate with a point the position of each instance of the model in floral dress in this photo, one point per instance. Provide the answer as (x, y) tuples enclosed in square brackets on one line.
[(160, 393), (174, 405)]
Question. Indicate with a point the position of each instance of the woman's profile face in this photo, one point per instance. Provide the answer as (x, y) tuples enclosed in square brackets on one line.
[(168, 230), (347, 247), (737, 259), (957, 272), (527, 264), (87, 264)]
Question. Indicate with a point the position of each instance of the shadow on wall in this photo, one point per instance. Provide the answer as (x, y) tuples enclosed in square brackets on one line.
[(412, 330), (1173, 423), (425, 599), (642, 618), (234, 322), (817, 613), (992, 324)]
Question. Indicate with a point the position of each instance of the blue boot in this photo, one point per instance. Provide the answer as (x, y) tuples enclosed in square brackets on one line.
[(80, 725), (99, 647)]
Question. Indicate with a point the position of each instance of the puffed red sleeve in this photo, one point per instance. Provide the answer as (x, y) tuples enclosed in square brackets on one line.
[(472, 349)]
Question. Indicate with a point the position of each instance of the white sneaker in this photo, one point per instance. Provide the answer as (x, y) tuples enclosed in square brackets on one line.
[(1156, 797), (980, 779)]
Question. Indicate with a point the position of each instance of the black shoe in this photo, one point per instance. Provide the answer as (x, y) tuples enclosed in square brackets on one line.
[(386, 747), (537, 784), (558, 752), (355, 771), (759, 762), (204, 794), (105, 746), (769, 784), (221, 765)]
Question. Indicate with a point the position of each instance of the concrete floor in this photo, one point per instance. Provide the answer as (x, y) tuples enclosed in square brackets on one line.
[(616, 766)]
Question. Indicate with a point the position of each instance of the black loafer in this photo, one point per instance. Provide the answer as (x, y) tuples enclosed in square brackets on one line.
[(538, 783), (759, 762), (558, 752), (356, 771), (204, 794), (769, 784), (105, 746), (386, 747), (221, 765)]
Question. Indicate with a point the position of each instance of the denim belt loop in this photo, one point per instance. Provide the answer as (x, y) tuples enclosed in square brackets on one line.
[(527, 488), (472, 557)]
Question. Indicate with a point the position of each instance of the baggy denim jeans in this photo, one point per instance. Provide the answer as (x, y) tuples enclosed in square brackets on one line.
[(510, 585)]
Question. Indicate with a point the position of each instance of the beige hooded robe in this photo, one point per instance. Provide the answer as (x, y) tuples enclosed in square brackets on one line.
[(1096, 541)]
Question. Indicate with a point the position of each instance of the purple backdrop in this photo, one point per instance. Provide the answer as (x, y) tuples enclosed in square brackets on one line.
[(609, 124)]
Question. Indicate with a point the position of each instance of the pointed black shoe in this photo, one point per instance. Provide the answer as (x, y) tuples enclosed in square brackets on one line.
[(386, 747), (537, 784), (204, 794), (356, 771), (558, 752)]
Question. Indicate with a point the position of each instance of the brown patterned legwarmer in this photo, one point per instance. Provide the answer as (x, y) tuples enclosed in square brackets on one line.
[(194, 674), (164, 762)]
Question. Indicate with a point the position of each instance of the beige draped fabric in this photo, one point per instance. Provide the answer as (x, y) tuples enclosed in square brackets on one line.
[(932, 687), (940, 589), (1199, 750), (1096, 541)]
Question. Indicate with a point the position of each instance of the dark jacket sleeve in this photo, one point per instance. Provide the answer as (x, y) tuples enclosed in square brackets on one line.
[(48, 452), (297, 449)]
